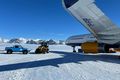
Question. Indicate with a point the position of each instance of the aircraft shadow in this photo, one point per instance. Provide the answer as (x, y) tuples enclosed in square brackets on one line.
[(67, 57)]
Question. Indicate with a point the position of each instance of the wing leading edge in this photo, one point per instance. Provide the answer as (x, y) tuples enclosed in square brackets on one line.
[(86, 12)]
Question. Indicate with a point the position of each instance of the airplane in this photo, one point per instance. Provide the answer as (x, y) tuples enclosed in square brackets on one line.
[(78, 40), (107, 33)]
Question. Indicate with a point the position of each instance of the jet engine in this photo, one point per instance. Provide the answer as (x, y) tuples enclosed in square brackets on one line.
[(90, 47), (95, 47)]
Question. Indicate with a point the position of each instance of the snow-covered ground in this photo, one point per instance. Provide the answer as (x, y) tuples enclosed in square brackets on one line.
[(59, 64)]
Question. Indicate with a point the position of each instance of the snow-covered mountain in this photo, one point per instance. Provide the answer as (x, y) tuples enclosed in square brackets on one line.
[(30, 41), (51, 42), (23, 40), (15, 40)]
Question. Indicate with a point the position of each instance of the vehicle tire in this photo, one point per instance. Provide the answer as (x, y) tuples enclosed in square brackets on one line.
[(80, 50), (74, 51), (37, 51), (47, 50), (9, 51), (25, 52)]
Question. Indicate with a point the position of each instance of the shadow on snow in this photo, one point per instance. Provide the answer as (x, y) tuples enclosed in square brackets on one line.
[(67, 57)]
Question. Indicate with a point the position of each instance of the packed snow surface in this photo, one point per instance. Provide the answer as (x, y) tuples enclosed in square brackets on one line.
[(59, 64)]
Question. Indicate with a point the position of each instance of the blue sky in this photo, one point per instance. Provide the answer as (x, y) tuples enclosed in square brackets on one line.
[(45, 19)]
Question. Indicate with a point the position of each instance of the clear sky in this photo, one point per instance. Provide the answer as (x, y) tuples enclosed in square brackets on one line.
[(45, 19)]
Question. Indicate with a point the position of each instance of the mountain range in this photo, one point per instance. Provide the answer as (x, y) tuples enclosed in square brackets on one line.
[(30, 41)]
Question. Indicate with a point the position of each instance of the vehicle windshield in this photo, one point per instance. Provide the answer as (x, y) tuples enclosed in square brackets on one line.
[(18, 46)]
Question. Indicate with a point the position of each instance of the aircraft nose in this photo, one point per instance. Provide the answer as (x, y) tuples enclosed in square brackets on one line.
[(69, 3)]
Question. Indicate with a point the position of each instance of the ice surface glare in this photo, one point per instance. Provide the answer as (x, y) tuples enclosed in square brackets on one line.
[(59, 64)]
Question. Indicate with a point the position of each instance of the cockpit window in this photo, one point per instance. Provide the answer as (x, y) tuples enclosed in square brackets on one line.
[(69, 3)]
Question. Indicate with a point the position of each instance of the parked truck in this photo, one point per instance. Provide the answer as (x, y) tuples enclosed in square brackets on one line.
[(16, 48)]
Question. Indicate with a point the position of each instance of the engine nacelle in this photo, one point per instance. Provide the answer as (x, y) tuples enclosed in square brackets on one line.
[(95, 47), (90, 47)]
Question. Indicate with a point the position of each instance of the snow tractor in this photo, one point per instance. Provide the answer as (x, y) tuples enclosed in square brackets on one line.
[(44, 48)]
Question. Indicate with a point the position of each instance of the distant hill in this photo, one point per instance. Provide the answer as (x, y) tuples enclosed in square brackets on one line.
[(15, 40), (30, 41)]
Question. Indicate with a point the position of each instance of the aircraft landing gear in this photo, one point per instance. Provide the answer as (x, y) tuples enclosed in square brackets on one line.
[(80, 50), (74, 49)]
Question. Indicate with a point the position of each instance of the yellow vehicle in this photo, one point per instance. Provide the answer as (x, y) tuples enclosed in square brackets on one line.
[(43, 48)]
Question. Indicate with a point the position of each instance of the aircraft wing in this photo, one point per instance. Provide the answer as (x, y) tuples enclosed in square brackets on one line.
[(86, 12)]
